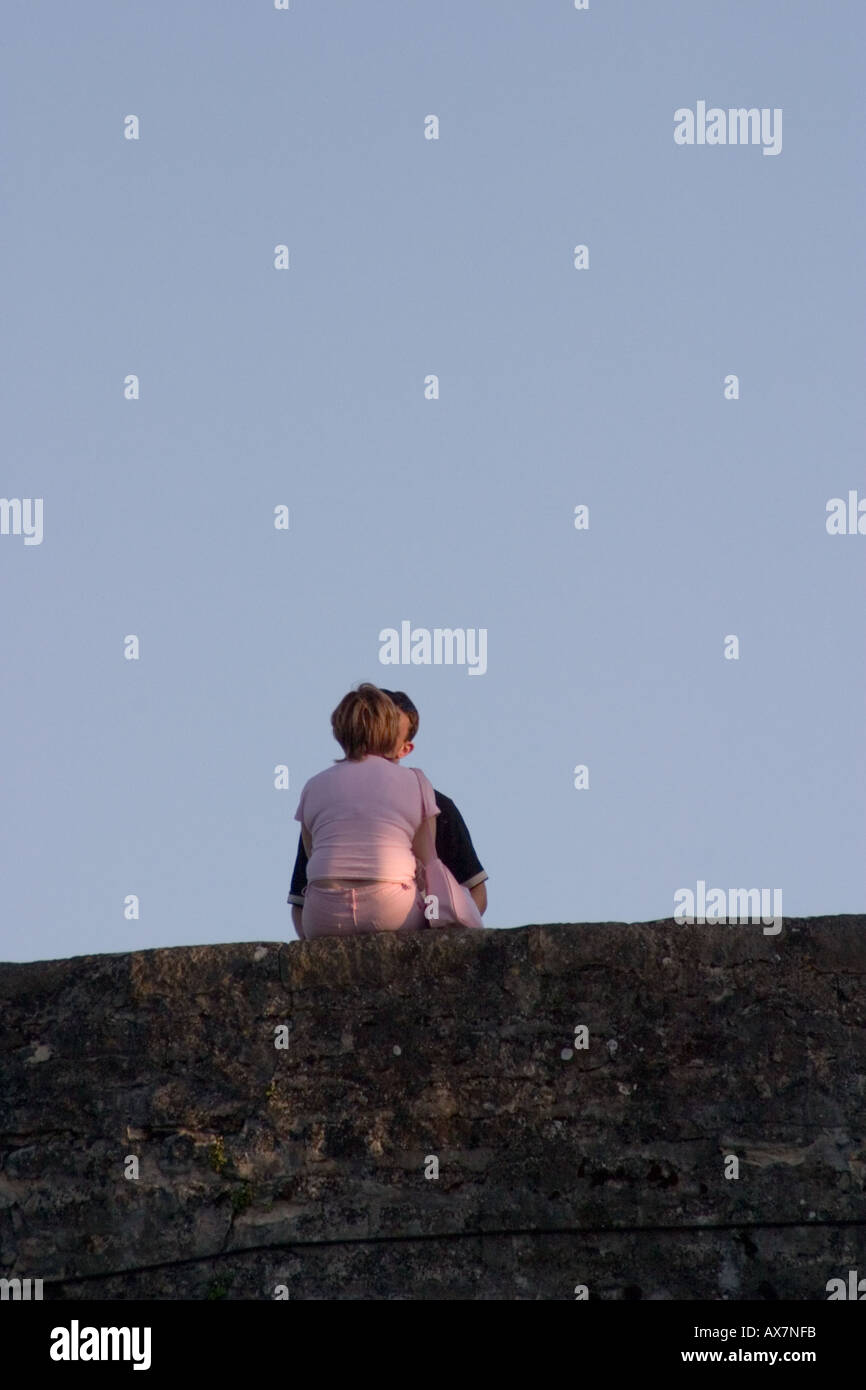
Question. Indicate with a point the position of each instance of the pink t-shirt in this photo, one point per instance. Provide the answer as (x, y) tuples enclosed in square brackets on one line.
[(362, 817)]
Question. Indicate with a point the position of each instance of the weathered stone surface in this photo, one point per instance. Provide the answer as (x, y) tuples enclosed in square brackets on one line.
[(306, 1166)]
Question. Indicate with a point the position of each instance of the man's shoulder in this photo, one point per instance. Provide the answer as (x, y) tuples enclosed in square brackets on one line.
[(449, 813)]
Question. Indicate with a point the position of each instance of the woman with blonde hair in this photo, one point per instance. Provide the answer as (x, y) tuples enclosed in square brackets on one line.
[(364, 822)]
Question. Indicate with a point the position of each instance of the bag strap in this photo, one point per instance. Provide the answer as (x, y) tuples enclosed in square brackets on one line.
[(427, 837)]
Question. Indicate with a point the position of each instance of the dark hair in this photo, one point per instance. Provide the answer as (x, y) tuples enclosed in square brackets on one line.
[(366, 721), (402, 701)]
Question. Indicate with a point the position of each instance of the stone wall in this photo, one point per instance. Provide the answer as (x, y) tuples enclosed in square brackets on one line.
[(310, 1170)]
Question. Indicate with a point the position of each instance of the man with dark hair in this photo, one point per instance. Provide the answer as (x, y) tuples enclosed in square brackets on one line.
[(453, 843)]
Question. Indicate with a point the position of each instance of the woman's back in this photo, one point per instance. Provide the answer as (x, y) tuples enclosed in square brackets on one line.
[(362, 815)]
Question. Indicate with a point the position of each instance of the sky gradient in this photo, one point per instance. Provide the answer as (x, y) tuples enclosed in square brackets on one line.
[(605, 386)]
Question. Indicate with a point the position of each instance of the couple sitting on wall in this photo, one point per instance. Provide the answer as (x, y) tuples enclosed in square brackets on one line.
[(380, 849)]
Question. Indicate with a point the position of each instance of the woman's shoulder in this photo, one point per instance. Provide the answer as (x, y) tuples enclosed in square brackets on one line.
[(415, 773), (353, 767), (322, 778), (393, 771)]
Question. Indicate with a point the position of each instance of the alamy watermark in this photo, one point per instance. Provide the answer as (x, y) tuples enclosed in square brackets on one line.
[(739, 905), (441, 646), (855, 1289), (77, 1343), (21, 1290), (736, 126), (22, 516), (847, 520)]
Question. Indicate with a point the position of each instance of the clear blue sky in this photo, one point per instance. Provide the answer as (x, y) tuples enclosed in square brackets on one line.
[(306, 387)]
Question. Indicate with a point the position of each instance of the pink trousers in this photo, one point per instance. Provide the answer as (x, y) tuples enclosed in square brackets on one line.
[(331, 911)]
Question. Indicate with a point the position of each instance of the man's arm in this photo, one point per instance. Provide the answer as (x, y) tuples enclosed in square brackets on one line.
[(455, 848), (298, 886)]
